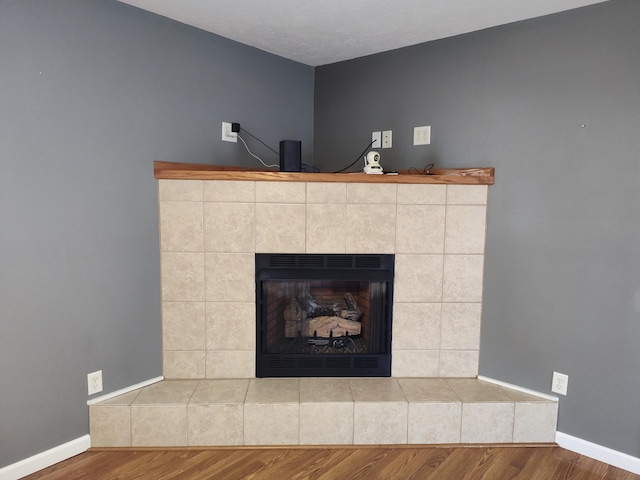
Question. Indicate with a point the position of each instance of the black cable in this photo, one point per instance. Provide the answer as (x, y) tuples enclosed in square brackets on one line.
[(425, 171), (253, 136), (357, 159)]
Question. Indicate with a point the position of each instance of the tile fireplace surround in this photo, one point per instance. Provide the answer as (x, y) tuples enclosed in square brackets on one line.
[(212, 224)]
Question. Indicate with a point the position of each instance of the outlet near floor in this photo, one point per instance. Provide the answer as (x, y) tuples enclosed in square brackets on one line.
[(559, 383), (94, 382)]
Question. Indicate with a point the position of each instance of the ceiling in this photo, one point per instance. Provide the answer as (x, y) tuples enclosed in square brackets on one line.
[(318, 32)]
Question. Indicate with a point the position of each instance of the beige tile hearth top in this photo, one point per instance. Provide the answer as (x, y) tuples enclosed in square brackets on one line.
[(327, 411)]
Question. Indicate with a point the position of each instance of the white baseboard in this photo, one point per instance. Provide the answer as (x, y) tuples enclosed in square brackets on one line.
[(124, 390), (518, 388), (45, 459), (575, 444), (598, 452), (66, 450)]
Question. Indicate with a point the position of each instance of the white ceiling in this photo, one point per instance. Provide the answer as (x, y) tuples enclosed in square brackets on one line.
[(318, 32)]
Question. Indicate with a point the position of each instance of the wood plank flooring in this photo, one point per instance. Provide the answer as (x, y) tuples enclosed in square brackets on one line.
[(328, 463)]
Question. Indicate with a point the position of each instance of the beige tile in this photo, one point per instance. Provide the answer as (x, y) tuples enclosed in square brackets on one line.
[(370, 193), (280, 228), (231, 326), (124, 399), (416, 326), (465, 232), (183, 364), (471, 390), (416, 194), (420, 229), (271, 423), (326, 411), (181, 227), (519, 396), (273, 390), (167, 392), (326, 228), (220, 392), (230, 277), (535, 422), (327, 423), (229, 227), (418, 278), (380, 423), (487, 423), (155, 426), (433, 423), (462, 279), (458, 363), (326, 193), (183, 325), (331, 390), (110, 426), (230, 364), (182, 277), (281, 192), (415, 363), (229, 191), (376, 390), (180, 190), (219, 424), (461, 326), (371, 229), (467, 194), (428, 390)]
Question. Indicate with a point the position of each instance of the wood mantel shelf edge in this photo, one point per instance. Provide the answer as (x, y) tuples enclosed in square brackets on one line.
[(194, 171)]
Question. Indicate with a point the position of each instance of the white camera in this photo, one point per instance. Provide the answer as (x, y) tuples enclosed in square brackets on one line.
[(372, 163)]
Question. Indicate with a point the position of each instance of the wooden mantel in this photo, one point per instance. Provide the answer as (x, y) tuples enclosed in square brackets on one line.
[(193, 171)]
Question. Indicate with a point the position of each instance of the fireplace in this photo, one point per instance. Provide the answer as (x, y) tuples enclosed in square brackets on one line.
[(323, 315), (211, 230)]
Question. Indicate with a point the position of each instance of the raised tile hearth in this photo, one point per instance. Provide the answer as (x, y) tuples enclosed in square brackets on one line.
[(322, 411), (212, 223)]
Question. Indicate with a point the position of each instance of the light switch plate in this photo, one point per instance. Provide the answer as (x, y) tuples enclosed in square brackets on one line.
[(422, 135)]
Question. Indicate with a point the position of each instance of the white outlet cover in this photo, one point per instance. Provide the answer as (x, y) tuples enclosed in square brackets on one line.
[(559, 383), (94, 382), (227, 134)]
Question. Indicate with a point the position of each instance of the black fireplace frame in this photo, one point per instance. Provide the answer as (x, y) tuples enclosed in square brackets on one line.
[(357, 267)]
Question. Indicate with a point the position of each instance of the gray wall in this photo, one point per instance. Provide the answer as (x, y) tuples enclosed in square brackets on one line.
[(91, 93), (562, 277)]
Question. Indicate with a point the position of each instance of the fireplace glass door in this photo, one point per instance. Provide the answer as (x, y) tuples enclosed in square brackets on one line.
[(323, 315)]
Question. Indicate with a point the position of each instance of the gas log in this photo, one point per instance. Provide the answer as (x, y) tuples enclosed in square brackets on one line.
[(309, 318)]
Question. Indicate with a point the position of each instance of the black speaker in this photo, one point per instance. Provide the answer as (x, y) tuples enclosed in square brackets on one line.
[(290, 156)]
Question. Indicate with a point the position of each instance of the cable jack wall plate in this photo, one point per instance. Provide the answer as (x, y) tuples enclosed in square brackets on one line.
[(387, 139)]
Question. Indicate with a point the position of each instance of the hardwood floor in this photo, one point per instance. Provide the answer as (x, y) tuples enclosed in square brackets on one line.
[(324, 463)]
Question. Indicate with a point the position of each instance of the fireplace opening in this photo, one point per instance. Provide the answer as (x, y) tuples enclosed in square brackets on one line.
[(323, 315)]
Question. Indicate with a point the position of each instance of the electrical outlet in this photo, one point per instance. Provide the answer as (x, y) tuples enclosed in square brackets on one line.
[(375, 138), (227, 134), (422, 135), (94, 381), (559, 383), (387, 139)]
